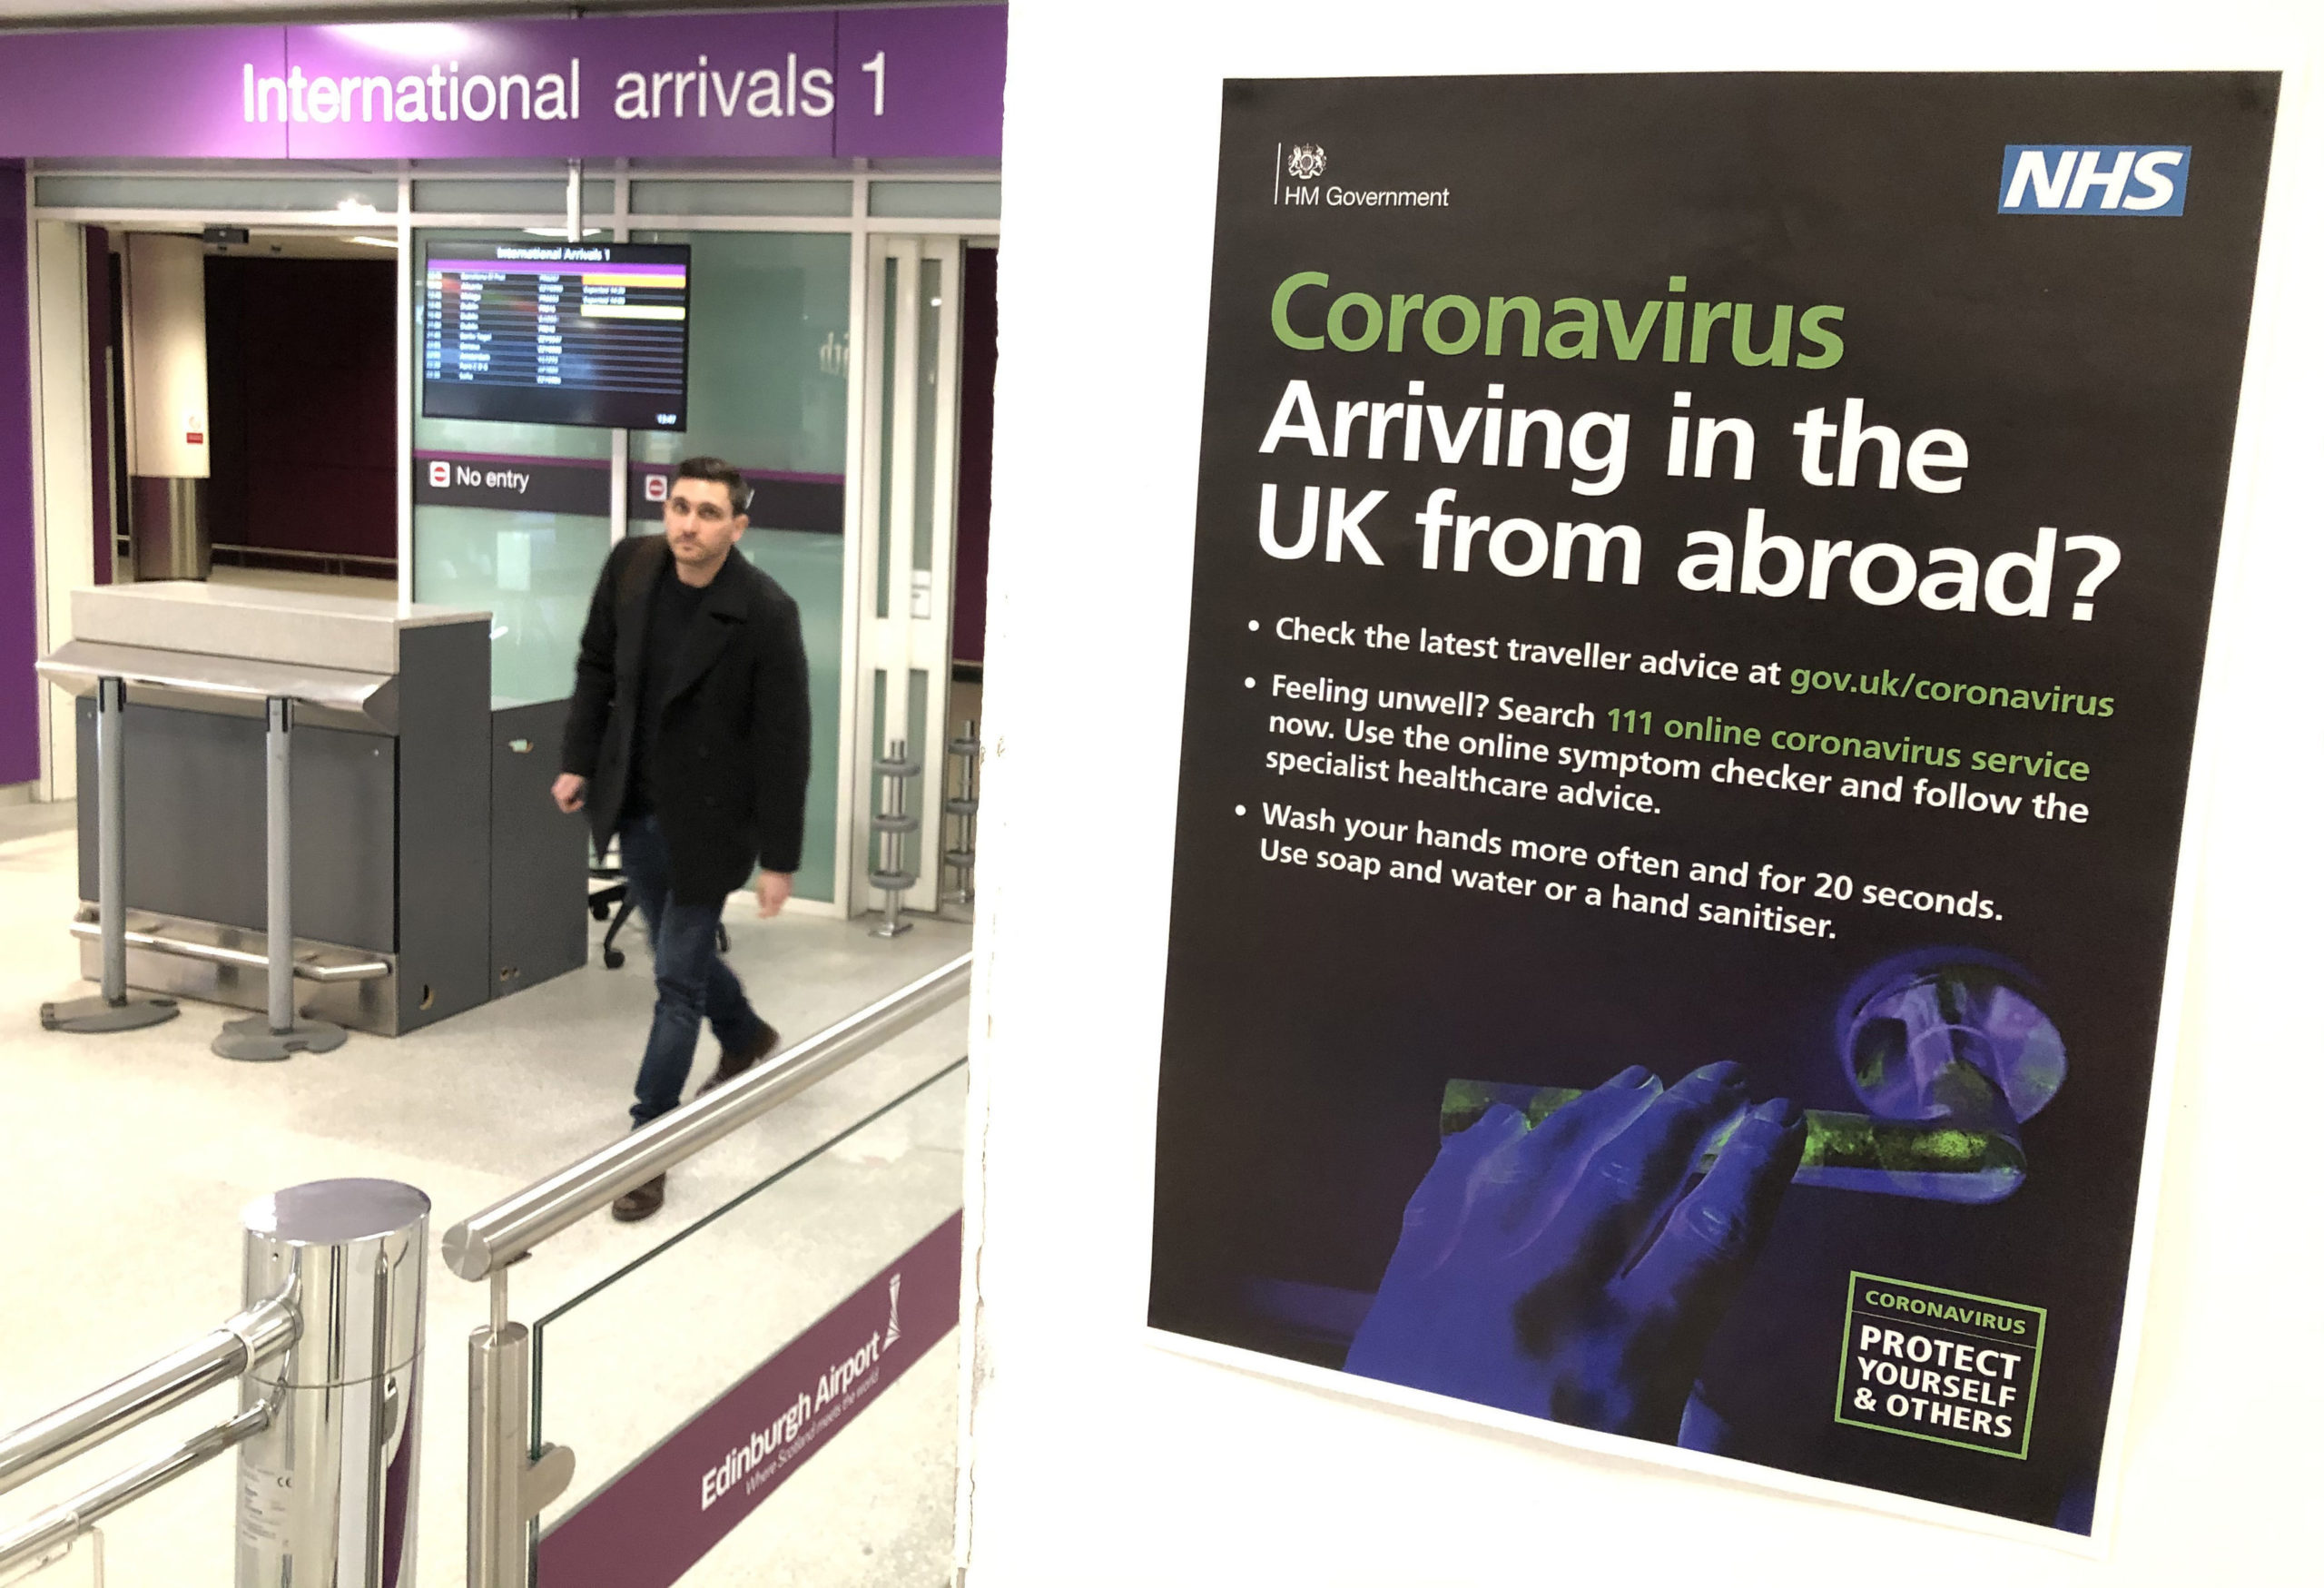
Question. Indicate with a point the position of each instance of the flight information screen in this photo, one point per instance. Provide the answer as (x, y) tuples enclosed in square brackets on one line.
[(560, 333)]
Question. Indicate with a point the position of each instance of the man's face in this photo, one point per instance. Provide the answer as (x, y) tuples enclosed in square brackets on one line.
[(701, 522)]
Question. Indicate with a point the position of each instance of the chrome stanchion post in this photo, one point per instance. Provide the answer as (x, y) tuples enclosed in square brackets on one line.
[(500, 1363), (113, 1009), (961, 817), (329, 1488), (507, 1487), (281, 1008), (894, 821), (279, 1032), (113, 790)]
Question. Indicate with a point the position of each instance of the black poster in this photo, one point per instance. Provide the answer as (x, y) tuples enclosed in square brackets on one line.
[(1699, 614)]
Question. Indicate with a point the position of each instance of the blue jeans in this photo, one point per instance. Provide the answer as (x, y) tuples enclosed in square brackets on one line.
[(690, 980)]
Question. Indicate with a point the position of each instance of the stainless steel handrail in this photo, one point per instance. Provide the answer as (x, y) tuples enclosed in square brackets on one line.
[(63, 1522), (487, 1242), (254, 1335)]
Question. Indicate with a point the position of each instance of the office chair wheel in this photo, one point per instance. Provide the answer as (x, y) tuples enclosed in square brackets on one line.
[(614, 958), (599, 911)]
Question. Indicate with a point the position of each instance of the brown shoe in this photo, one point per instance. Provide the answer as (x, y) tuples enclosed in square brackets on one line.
[(639, 1201), (733, 1061)]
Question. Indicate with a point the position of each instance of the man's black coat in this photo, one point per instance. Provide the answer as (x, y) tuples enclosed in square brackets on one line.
[(730, 763)]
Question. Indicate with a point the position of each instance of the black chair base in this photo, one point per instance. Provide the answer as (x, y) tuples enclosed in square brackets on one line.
[(614, 900)]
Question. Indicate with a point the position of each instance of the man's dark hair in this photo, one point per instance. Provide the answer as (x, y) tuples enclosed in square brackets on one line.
[(738, 494)]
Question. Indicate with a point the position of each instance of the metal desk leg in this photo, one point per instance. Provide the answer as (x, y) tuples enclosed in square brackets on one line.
[(113, 1009), (279, 1032)]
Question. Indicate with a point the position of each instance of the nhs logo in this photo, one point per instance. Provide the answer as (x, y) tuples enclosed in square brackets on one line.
[(2111, 179)]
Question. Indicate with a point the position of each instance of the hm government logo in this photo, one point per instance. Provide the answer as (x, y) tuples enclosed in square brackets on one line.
[(895, 1310), (1298, 165)]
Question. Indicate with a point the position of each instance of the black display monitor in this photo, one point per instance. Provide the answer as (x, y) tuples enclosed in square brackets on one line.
[(555, 333)]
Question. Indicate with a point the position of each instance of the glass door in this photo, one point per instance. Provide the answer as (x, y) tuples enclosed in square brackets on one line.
[(769, 384)]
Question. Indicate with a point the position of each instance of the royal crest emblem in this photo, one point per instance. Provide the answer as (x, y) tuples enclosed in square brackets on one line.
[(1306, 161)]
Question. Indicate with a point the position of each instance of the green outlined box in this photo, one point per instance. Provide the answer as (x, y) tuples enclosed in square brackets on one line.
[(1939, 1365)]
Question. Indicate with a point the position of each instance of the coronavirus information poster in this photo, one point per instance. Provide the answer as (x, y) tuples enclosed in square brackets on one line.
[(1700, 611)]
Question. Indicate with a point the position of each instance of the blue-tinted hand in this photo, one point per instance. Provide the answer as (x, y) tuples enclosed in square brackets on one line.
[(1559, 1272)]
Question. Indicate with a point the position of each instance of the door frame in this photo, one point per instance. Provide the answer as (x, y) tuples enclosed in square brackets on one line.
[(904, 620)]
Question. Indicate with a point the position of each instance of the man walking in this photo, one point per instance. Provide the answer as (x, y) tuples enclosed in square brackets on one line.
[(689, 734)]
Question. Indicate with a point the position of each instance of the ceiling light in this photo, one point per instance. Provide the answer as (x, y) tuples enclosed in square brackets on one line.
[(413, 40), (374, 242), (354, 206)]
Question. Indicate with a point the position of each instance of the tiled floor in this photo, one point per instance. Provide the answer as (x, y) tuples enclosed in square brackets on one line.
[(131, 1156)]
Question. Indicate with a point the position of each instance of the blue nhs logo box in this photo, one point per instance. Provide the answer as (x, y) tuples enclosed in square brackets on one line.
[(2105, 178)]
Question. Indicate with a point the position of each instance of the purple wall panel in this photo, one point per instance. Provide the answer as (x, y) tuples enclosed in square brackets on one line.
[(19, 608), (944, 68), (980, 364), (168, 90)]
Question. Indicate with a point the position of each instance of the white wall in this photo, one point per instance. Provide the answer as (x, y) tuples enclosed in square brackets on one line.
[(1098, 1459), (166, 324), (65, 499)]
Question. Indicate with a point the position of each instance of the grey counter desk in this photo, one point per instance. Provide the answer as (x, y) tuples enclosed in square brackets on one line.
[(423, 839)]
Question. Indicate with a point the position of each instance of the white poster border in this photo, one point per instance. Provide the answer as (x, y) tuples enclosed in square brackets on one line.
[(2238, 528)]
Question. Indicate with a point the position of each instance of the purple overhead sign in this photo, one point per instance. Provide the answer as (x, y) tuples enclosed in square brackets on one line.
[(920, 82), (172, 91)]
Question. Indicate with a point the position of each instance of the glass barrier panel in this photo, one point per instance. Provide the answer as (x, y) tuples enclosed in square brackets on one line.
[(767, 390), (352, 196), (533, 571), (78, 1562), (884, 506), (768, 372), (474, 196), (931, 757), (769, 1397), (929, 306), (699, 196), (182, 1532), (812, 568), (936, 201)]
